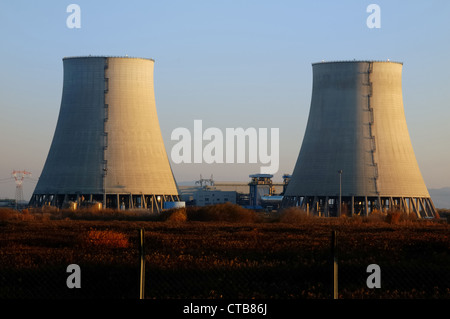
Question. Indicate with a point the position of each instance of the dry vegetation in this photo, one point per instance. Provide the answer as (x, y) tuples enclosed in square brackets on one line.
[(223, 251)]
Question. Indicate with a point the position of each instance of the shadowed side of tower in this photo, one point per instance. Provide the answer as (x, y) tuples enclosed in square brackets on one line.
[(356, 145), (107, 145)]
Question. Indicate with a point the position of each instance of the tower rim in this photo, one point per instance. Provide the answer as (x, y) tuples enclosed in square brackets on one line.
[(106, 57), (357, 61)]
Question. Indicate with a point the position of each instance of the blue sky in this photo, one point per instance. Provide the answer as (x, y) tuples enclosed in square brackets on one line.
[(229, 63)]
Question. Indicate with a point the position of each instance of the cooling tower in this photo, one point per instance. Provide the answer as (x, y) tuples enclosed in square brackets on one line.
[(107, 146), (356, 149)]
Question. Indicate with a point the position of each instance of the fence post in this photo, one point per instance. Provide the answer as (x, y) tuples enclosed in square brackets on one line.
[(142, 261), (334, 254)]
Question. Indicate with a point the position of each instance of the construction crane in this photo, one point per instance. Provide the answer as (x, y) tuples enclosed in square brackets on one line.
[(18, 177)]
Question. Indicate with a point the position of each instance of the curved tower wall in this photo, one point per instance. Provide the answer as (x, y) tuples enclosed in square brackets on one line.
[(357, 125), (107, 145)]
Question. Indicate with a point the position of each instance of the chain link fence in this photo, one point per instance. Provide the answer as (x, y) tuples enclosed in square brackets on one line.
[(220, 261)]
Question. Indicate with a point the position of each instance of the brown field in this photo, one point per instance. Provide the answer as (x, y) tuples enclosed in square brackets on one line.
[(220, 253)]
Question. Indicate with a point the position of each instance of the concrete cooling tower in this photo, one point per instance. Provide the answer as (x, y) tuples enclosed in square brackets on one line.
[(107, 146), (356, 149)]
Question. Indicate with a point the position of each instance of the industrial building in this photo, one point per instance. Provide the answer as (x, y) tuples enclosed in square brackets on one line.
[(206, 196), (356, 153), (107, 147), (261, 193)]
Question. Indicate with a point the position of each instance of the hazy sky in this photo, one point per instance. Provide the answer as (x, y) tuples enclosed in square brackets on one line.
[(228, 63)]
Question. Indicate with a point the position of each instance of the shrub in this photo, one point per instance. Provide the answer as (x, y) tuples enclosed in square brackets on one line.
[(292, 215), (46, 209), (105, 214), (394, 217), (105, 238), (8, 214), (437, 215), (375, 216), (174, 215), (222, 212)]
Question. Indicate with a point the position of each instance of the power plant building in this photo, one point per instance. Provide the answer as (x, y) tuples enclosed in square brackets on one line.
[(107, 146), (356, 149)]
